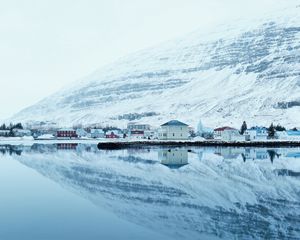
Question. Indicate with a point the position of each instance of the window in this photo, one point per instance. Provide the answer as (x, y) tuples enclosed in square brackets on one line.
[(173, 134)]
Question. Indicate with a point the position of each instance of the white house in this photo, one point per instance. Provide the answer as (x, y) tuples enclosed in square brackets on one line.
[(133, 126), (173, 130), (97, 133), (150, 134), (218, 132), (4, 133), (21, 132), (137, 134), (232, 135), (289, 135), (256, 134), (228, 134), (81, 132)]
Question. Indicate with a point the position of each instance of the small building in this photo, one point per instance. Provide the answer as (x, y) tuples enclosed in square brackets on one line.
[(81, 132), (113, 134), (232, 135), (173, 130), (66, 134), (97, 133), (150, 134), (289, 135), (293, 135), (227, 134), (4, 133), (217, 133), (256, 134), (137, 134), (21, 132), (45, 137), (133, 126)]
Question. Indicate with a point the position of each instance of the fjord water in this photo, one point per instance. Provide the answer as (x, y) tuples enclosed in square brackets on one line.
[(75, 191)]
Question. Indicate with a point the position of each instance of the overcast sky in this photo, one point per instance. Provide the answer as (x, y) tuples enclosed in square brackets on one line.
[(46, 44)]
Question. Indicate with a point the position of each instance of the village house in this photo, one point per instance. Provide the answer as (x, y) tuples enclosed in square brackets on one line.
[(138, 126), (256, 134), (228, 134), (289, 135), (218, 132), (66, 133), (137, 130), (21, 132), (4, 133), (137, 134), (45, 137), (150, 134), (81, 132), (97, 133), (173, 130), (114, 133)]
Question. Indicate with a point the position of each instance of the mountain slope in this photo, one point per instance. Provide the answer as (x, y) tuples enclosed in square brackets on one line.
[(247, 71)]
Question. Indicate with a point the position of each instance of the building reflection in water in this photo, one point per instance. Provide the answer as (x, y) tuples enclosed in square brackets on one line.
[(218, 198), (248, 154), (229, 153), (173, 158), (66, 146)]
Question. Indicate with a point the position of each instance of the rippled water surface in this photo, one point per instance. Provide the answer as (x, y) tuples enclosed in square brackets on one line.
[(75, 191)]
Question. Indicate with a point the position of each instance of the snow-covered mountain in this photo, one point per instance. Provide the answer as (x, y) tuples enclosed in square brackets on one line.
[(242, 71), (213, 195)]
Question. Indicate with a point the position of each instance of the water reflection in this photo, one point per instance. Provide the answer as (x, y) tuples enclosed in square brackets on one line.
[(173, 158), (243, 193)]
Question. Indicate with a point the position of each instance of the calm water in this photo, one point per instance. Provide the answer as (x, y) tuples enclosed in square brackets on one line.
[(75, 191)]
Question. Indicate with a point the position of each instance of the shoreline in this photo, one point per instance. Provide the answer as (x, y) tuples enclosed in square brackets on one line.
[(143, 144), (123, 144)]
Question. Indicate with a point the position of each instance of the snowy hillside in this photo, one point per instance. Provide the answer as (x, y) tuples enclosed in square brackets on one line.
[(243, 71)]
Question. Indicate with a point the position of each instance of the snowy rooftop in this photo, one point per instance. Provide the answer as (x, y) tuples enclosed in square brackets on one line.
[(174, 123)]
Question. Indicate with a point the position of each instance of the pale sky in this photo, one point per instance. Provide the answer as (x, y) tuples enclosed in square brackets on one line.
[(46, 44)]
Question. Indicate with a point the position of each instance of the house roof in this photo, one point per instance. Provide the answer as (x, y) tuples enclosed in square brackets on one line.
[(174, 123), (224, 128), (293, 133)]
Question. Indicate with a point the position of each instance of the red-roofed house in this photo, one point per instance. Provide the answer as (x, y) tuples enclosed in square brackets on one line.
[(218, 132), (228, 134)]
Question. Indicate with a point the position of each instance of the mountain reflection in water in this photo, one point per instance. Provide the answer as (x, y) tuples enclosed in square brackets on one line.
[(245, 193)]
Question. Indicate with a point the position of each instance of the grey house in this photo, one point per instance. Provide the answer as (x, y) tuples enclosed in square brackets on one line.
[(173, 130)]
